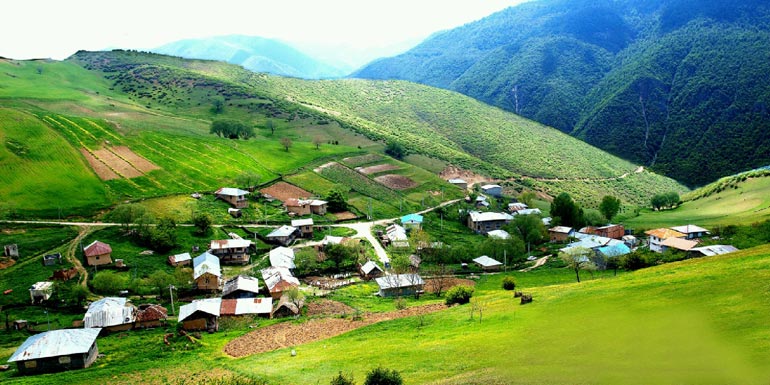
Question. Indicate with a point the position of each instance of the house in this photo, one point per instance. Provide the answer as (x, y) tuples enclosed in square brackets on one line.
[(283, 235), (481, 201), (282, 257), (370, 270), (201, 314), (412, 221), (235, 213), (711, 250), (183, 259), (488, 264), (560, 233), (318, 206), (305, 227), (111, 314), (40, 291), (534, 211), (460, 183), (590, 241), (414, 263), (614, 250), (398, 285), (246, 306), (657, 236), (484, 222), (206, 272), (396, 236), (499, 234), (286, 308), (150, 316), (517, 206), (51, 259), (234, 196), (98, 253), (298, 206), (611, 231), (492, 189), (630, 240), (57, 350), (691, 231), (680, 244), (278, 280), (240, 287), (231, 251)]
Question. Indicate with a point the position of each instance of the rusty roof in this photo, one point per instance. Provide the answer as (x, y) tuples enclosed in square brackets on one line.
[(664, 233)]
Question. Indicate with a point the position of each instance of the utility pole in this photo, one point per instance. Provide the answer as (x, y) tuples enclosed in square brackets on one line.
[(171, 294)]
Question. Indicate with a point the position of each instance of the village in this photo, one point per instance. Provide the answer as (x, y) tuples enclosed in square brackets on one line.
[(390, 253)]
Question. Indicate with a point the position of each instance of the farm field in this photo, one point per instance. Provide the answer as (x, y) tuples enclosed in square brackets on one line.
[(706, 315)]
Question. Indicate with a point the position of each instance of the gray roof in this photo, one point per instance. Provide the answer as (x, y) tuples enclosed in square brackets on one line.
[(182, 257), (283, 231), (712, 250), (208, 306), (400, 280), (501, 234), (283, 257), (56, 343), (689, 229), (489, 216), (230, 191), (369, 266), (241, 282), (206, 263), (109, 311), (302, 222), (485, 261)]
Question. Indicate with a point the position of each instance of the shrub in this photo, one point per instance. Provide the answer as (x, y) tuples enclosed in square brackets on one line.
[(400, 303), (342, 379), (382, 376), (509, 283), (459, 294)]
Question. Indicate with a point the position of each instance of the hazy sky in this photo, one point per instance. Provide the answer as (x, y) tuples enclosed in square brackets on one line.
[(58, 28)]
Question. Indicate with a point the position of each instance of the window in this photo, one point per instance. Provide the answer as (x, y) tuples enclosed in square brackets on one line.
[(64, 360), (30, 364)]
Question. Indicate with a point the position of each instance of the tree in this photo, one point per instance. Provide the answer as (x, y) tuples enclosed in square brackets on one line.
[(286, 143), (509, 283), (665, 200), (459, 295), (565, 211), (395, 150), (233, 129), (161, 280), (577, 258), (163, 236), (202, 222), (337, 200), (296, 297), (108, 282), (342, 379), (609, 207), (271, 126), (127, 214), (342, 256), (440, 279), (318, 141), (306, 260), (529, 228), (527, 197), (503, 250), (382, 376), (218, 104), (419, 239)]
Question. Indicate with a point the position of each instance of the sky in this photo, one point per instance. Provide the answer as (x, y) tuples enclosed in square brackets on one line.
[(58, 28)]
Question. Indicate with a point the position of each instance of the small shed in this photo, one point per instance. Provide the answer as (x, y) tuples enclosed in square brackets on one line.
[(183, 259), (298, 206), (370, 270), (11, 251), (286, 308), (560, 233), (40, 291), (150, 316), (235, 213), (98, 253), (57, 350), (488, 264), (460, 183), (492, 189), (282, 257), (201, 314), (241, 287), (283, 235), (397, 285), (234, 196), (206, 272), (318, 206), (305, 227), (52, 259)]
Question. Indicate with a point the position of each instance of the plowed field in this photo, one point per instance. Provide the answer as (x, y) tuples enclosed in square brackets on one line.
[(284, 191)]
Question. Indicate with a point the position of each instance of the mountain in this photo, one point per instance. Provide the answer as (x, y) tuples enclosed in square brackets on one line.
[(256, 54), (680, 86)]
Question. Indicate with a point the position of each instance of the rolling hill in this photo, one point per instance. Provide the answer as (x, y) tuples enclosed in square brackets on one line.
[(254, 53), (675, 85)]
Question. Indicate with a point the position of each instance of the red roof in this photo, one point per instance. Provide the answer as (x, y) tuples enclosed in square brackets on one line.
[(97, 248)]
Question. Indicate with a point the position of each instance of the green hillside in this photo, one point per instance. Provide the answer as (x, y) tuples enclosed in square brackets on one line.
[(675, 85), (706, 316)]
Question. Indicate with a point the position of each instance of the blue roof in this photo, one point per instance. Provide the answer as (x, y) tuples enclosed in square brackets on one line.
[(615, 250), (415, 218)]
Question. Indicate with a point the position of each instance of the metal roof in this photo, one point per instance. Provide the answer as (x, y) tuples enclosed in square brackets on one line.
[(182, 257), (488, 216), (332, 240), (241, 282), (489, 186), (664, 233), (97, 248), (679, 243), (689, 229), (275, 275), (318, 202), (56, 343), (712, 250), (411, 218), (229, 244), (206, 263), (282, 257), (230, 191), (283, 231), (399, 280), (456, 181), (561, 229), (242, 306), (529, 211), (614, 250), (501, 234), (302, 222), (208, 306), (109, 311), (369, 266), (485, 261)]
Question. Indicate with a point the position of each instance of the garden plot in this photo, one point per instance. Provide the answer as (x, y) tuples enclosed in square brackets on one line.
[(396, 182), (284, 191), (118, 162), (377, 168)]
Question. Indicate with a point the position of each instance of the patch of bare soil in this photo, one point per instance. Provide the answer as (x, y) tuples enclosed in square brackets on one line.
[(432, 284), (284, 191), (376, 168), (101, 169), (396, 182), (6, 263), (287, 334), (454, 172), (137, 161), (345, 215), (117, 163), (327, 307)]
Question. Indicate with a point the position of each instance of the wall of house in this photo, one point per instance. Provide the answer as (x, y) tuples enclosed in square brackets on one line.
[(97, 260), (207, 282), (58, 363)]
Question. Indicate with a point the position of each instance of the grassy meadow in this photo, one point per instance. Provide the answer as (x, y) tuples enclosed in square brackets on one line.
[(697, 321)]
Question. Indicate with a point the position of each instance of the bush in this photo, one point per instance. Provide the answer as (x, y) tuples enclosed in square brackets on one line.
[(509, 283), (400, 303), (342, 379), (382, 376), (459, 294)]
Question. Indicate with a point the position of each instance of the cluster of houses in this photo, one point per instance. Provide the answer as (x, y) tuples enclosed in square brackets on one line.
[(685, 238)]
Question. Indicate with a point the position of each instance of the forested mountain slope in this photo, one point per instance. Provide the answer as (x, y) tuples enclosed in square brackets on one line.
[(678, 85)]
